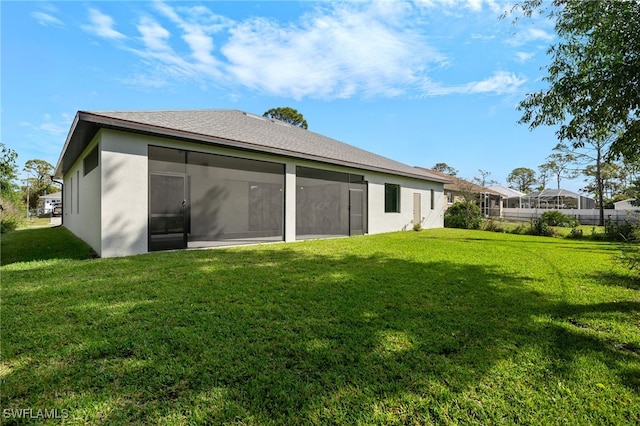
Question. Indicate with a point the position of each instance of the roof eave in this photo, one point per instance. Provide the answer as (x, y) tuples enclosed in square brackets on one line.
[(59, 169), (153, 130)]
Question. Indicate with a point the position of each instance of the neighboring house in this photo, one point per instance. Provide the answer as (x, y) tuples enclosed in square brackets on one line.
[(140, 181), (626, 205), (457, 190), (50, 201), (510, 197), (552, 199)]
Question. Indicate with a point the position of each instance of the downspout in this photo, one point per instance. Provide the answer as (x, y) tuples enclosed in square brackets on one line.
[(61, 198)]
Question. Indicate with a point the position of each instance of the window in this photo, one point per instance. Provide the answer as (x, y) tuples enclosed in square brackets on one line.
[(78, 192), (71, 195), (450, 197), (433, 201), (391, 198), (91, 160)]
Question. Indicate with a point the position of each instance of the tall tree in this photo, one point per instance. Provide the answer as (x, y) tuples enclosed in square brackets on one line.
[(288, 115), (39, 180), (8, 169), (593, 79), (593, 151), (483, 179), (522, 179), (445, 168), (561, 165), (543, 177), (612, 180)]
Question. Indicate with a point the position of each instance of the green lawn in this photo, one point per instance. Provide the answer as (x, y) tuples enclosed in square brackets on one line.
[(440, 326)]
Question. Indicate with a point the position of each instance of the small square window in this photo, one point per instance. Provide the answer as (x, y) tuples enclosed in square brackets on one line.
[(391, 198), (90, 161)]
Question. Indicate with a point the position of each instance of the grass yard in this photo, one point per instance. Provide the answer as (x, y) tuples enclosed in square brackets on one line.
[(435, 327)]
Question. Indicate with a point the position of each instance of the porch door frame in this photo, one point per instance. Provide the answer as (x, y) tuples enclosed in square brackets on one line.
[(357, 201), (417, 208), (176, 202)]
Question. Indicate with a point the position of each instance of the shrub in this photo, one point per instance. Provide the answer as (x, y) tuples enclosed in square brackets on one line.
[(575, 233), (542, 228), (493, 225), (520, 229), (555, 218), (12, 216), (630, 257), (620, 231), (464, 215)]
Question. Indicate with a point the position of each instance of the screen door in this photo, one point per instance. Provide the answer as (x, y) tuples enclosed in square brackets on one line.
[(167, 211)]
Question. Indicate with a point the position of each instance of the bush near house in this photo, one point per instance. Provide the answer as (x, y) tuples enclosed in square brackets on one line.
[(463, 214), (12, 216), (555, 218)]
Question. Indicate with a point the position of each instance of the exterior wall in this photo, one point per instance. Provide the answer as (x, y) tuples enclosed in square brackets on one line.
[(625, 205), (81, 200), (48, 203), (290, 202), (114, 196), (379, 221), (124, 193)]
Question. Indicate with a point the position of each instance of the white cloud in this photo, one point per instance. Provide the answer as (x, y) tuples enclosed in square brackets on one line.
[(47, 20), (529, 35), (164, 61), (330, 53), (335, 51), (476, 36), (474, 5), (53, 129), (537, 34), (198, 26), (154, 36), (501, 83), (102, 25), (523, 57), (53, 126)]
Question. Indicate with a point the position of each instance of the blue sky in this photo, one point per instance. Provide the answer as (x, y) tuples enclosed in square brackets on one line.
[(420, 82)]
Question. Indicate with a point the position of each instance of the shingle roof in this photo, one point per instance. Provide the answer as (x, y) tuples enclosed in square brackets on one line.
[(551, 192), (507, 192), (231, 128), (457, 184)]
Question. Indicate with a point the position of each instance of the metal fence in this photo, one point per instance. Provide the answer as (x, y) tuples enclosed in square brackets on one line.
[(583, 216)]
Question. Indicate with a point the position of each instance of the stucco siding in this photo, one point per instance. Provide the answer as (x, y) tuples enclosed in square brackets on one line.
[(380, 221), (81, 200), (290, 202), (124, 207)]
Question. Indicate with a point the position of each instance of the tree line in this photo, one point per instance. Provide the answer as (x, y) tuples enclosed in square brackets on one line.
[(20, 197)]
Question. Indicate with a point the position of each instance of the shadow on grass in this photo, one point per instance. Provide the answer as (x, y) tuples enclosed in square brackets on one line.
[(56, 242), (615, 279), (281, 336)]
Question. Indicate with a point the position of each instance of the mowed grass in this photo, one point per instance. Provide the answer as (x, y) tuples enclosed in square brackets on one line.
[(434, 327)]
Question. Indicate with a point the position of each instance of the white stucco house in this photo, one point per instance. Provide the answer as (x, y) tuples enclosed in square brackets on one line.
[(50, 201), (140, 181), (626, 205)]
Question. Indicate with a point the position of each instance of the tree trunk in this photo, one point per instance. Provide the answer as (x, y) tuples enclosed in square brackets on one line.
[(599, 184)]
